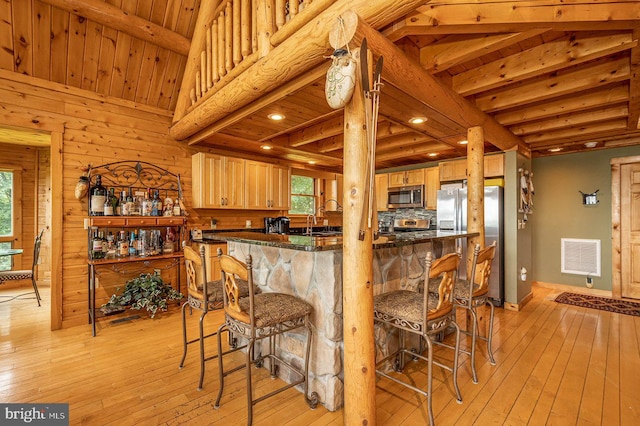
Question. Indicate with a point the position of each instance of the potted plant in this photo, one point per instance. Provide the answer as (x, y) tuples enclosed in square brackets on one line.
[(147, 291)]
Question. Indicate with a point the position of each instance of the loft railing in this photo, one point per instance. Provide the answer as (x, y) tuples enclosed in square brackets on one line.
[(241, 32)]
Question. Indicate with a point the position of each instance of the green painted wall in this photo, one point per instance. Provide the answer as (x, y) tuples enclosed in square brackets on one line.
[(559, 212)]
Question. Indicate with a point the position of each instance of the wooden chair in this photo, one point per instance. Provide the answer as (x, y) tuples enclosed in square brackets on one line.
[(204, 296), (27, 274), (470, 294), (425, 315), (257, 317)]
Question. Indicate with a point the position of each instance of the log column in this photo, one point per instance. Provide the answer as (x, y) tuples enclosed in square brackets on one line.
[(475, 185), (475, 204), (357, 271)]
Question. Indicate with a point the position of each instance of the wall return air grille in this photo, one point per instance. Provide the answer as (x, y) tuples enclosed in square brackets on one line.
[(580, 257)]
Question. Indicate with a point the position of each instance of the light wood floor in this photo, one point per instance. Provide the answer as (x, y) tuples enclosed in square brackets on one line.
[(556, 365)]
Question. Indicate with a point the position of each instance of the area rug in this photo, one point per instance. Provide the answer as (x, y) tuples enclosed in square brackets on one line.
[(602, 303)]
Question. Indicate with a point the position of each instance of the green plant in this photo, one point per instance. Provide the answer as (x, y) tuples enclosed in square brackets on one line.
[(147, 291)]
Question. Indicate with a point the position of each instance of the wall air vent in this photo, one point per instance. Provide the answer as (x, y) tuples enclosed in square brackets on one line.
[(580, 257)]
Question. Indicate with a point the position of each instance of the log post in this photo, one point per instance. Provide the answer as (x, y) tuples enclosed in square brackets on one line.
[(357, 271), (265, 26), (475, 203)]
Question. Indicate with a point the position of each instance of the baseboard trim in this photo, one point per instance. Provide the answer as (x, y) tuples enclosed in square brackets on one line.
[(573, 289), (516, 307)]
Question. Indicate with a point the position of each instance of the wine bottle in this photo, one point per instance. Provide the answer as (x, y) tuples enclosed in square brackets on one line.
[(97, 199), (156, 204), (108, 204)]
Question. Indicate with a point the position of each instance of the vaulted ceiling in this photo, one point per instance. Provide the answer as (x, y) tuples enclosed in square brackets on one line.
[(557, 75)]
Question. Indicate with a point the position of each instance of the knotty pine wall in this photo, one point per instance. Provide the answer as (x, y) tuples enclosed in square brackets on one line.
[(97, 130)]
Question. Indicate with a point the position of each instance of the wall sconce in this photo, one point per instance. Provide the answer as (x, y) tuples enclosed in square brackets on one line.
[(590, 199)]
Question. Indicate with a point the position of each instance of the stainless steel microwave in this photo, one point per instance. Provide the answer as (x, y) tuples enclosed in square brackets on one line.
[(405, 197)]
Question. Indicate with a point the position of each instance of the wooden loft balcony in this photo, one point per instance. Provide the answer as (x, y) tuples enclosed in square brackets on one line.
[(532, 77)]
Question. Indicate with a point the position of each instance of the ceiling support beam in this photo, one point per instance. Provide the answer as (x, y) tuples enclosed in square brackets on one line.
[(634, 85), (301, 52), (116, 18), (410, 77)]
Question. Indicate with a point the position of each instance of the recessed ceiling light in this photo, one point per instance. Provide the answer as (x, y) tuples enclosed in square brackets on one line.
[(463, 142), (591, 144), (312, 162), (432, 154), (556, 149), (276, 116), (417, 120), (266, 147)]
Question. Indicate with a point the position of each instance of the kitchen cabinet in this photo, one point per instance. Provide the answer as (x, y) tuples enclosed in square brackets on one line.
[(267, 186), (432, 185), (218, 181), (407, 177), (494, 165), (382, 186), (453, 170), (457, 169)]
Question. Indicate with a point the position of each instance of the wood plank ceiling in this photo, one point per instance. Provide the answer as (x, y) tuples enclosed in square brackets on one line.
[(558, 75)]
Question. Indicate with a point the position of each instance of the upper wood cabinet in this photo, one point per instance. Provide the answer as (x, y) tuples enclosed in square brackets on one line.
[(457, 169), (267, 186), (218, 181), (382, 186), (407, 177), (432, 185), (453, 170), (494, 165), (333, 191)]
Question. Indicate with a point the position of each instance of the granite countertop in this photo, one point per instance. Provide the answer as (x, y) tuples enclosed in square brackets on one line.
[(321, 243)]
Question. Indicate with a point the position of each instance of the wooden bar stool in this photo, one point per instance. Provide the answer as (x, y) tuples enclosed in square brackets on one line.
[(473, 293), (257, 317), (425, 315), (204, 296)]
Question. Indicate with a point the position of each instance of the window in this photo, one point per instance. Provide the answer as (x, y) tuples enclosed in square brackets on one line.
[(6, 215), (303, 197)]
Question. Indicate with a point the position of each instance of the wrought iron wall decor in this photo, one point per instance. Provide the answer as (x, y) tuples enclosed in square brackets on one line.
[(136, 175)]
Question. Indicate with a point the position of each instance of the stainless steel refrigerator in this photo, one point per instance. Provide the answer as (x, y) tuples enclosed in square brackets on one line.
[(452, 216)]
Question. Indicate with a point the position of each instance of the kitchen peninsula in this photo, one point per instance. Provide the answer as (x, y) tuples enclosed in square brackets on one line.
[(310, 267)]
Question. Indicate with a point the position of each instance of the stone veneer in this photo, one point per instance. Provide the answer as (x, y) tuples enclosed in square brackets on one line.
[(316, 277)]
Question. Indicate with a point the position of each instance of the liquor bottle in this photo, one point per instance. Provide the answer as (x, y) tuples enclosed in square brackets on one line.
[(136, 210), (108, 204), (130, 204), (105, 244), (98, 195), (146, 204), (156, 204), (96, 246), (124, 205), (123, 245), (111, 245), (133, 244)]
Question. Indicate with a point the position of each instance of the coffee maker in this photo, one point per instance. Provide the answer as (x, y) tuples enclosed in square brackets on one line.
[(282, 224), (270, 225)]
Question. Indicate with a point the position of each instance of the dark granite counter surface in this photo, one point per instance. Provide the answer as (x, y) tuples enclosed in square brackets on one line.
[(321, 243)]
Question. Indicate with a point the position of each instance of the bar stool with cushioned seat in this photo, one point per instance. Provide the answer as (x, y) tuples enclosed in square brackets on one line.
[(425, 315), (197, 294), (27, 274), (470, 294), (257, 317)]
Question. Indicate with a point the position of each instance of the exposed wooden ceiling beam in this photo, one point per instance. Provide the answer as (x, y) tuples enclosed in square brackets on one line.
[(602, 97), (554, 55), (465, 17), (332, 127), (585, 132), (573, 120), (456, 49), (116, 18), (565, 83)]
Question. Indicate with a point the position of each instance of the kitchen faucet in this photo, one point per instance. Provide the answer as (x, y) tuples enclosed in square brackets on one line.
[(309, 225)]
